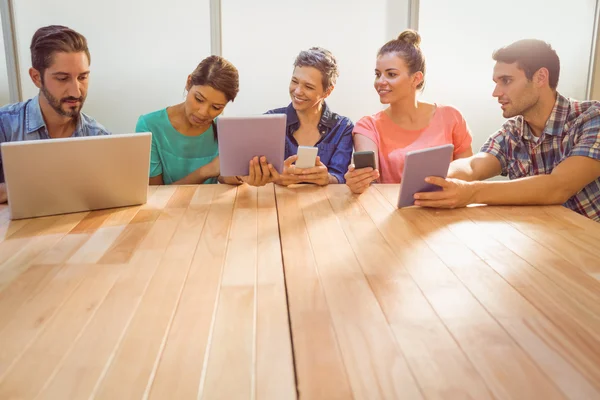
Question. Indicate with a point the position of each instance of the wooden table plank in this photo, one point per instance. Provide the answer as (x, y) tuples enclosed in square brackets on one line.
[(231, 362), (24, 326), (180, 368), (93, 351), (135, 359), (541, 291), (28, 373), (215, 291), (564, 357), (439, 364), (533, 222), (312, 329), (373, 360), (506, 368), (541, 256), (274, 360), (22, 249)]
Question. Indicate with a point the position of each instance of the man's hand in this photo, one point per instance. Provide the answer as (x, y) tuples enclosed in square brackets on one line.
[(455, 193), (358, 180)]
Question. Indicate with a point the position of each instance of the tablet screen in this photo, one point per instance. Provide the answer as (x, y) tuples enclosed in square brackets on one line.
[(243, 138), (420, 164)]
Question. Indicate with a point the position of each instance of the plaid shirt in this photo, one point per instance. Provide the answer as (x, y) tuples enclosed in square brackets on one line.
[(572, 130)]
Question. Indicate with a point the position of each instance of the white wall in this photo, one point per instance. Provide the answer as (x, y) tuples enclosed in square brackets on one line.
[(4, 95), (460, 36), (142, 51), (595, 92), (264, 46)]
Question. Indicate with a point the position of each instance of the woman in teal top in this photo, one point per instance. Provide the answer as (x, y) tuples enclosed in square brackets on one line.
[(184, 139)]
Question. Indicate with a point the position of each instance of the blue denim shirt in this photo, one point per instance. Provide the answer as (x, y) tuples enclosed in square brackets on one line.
[(24, 121), (335, 144)]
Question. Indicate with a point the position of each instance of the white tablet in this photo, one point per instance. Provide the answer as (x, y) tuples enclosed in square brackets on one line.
[(243, 138)]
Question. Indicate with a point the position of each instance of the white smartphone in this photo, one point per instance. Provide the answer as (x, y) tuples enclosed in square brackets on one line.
[(307, 157)]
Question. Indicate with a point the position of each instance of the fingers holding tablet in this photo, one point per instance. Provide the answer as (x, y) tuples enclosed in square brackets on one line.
[(259, 172), (455, 193)]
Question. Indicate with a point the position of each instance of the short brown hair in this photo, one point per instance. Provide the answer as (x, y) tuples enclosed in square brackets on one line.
[(53, 39), (321, 59), (218, 73), (407, 47), (531, 55)]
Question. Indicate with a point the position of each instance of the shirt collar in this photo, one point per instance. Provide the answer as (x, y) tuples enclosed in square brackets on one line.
[(327, 117), (558, 117), (35, 120), (555, 125)]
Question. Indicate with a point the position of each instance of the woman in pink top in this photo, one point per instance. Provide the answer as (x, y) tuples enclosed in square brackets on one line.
[(407, 124)]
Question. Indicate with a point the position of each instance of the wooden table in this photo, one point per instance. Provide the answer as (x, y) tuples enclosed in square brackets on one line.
[(218, 292)]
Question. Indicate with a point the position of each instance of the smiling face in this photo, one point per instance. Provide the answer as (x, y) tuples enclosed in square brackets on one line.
[(64, 83), (203, 104), (393, 80), (516, 94), (306, 88)]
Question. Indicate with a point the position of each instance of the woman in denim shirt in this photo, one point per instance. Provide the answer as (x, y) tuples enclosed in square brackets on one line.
[(310, 122)]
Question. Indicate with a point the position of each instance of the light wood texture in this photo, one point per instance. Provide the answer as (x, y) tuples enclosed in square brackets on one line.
[(221, 292), (183, 297), (481, 302)]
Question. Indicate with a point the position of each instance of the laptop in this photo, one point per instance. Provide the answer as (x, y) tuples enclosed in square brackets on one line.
[(59, 176), (243, 138)]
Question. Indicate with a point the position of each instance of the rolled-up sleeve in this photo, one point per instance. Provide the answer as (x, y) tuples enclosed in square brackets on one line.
[(588, 143)]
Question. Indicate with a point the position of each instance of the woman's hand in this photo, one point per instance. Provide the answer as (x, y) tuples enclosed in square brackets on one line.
[(358, 180), (287, 177), (318, 174), (260, 172)]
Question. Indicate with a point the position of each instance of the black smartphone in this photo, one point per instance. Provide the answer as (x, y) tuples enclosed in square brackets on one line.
[(364, 159)]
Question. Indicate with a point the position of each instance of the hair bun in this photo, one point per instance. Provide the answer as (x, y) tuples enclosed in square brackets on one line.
[(410, 36)]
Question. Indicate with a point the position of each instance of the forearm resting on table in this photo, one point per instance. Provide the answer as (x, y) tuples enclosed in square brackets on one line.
[(532, 190), (196, 177), (565, 181)]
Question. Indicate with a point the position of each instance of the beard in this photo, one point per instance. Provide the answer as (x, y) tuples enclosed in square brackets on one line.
[(56, 104)]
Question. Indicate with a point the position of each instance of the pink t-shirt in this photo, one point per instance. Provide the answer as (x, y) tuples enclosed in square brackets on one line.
[(446, 127)]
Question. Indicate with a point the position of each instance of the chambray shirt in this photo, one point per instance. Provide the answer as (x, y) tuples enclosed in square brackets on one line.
[(573, 129), (24, 121), (335, 144)]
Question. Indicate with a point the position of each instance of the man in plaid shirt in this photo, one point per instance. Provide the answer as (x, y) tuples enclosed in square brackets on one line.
[(549, 148)]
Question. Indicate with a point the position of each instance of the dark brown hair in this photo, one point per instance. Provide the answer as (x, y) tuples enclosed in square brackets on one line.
[(53, 39), (531, 55), (221, 75), (218, 73), (321, 59), (406, 46)]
